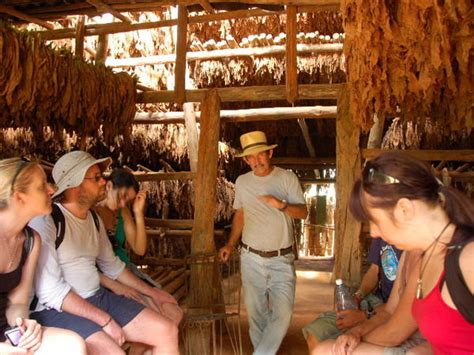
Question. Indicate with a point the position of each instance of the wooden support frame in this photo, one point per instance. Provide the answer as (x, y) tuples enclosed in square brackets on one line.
[(192, 135), (248, 93), (322, 48), (102, 48), (180, 175), (348, 254), (291, 53), (22, 16), (180, 66), (246, 115), (79, 42), (428, 155), (103, 7)]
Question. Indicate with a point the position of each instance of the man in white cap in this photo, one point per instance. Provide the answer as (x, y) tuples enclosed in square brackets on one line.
[(266, 200), (67, 282)]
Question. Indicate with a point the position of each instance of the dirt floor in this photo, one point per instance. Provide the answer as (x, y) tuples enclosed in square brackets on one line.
[(314, 294)]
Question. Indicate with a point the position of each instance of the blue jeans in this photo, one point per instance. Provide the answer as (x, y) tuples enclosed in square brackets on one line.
[(269, 292)]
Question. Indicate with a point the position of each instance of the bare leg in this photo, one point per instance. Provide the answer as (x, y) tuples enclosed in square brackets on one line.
[(55, 340), (101, 343), (170, 310), (422, 349), (326, 347), (153, 329), (312, 343)]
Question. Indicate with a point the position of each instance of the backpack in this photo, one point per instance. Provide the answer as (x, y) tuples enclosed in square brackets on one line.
[(462, 297), (60, 224)]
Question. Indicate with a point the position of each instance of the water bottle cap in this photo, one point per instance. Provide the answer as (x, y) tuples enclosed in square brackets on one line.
[(339, 282)]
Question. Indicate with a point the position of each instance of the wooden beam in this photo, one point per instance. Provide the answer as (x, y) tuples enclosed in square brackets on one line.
[(291, 53), (104, 8), (192, 135), (207, 6), (376, 133), (303, 161), (180, 66), (169, 223), (428, 155), (348, 253), (110, 28), (22, 16), (247, 115), (79, 42), (178, 232), (181, 175), (225, 53), (248, 93)]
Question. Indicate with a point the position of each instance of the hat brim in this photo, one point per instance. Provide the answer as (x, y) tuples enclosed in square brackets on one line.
[(255, 150), (104, 164)]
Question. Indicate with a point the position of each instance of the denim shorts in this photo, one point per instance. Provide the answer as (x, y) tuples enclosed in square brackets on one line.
[(122, 310)]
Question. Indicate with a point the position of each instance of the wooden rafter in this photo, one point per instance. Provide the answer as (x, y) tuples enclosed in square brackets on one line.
[(207, 6), (428, 155), (15, 13), (247, 93), (104, 8), (224, 53), (248, 115)]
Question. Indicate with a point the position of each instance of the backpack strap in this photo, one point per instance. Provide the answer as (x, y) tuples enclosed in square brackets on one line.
[(59, 223), (462, 297), (29, 240), (95, 217)]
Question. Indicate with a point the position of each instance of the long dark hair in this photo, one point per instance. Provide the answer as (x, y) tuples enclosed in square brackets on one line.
[(395, 175), (123, 178)]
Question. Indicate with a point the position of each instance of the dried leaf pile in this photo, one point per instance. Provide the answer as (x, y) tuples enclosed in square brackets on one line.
[(41, 87), (415, 55)]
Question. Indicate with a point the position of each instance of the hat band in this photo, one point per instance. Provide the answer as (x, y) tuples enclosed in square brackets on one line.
[(255, 145)]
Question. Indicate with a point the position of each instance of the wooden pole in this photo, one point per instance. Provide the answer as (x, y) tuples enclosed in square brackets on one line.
[(247, 115), (192, 135), (180, 66), (348, 260), (79, 48), (225, 53), (202, 241), (291, 53), (104, 8), (102, 48), (247, 93), (428, 155), (376, 133)]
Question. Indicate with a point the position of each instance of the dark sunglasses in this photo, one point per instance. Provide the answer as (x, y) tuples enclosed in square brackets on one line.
[(377, 177), (96, 178)]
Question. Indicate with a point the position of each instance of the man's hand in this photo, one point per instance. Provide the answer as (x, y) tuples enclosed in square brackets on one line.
[(31, 338), (123, 290), (271, 201), (225, 252), (115, 332), (349, 318), (346, 343)]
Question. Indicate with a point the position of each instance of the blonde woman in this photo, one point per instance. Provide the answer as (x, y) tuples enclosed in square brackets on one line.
[(24, 194)]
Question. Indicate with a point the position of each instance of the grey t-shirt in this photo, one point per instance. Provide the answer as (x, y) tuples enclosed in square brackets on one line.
[(265, 227)]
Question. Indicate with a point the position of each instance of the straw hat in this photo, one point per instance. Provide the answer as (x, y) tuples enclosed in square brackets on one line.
[(70, 169), (253, 143)]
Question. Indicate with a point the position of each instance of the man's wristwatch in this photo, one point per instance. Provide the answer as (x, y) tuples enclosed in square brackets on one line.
[(285, 205), (370, 311)]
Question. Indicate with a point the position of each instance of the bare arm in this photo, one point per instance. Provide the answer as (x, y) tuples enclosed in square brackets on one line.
[(235, 233), (401, 323), (135, 231), (370, 280)]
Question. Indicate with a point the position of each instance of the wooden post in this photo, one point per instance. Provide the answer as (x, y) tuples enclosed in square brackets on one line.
[(102, 47), (79, 47), (291, 67), (192, 134), (348, 263), (203, 286), (376, 133), (180, 66)]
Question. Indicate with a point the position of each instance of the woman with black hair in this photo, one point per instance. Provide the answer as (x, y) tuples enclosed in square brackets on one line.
[(406, 205)]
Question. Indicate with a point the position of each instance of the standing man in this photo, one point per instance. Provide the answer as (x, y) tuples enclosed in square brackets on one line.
[(266, 200), (67, 281)]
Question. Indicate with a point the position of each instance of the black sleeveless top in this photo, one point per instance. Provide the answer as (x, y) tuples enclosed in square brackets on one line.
[(10, 280)]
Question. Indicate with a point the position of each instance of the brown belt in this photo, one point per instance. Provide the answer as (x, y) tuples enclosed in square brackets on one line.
[(268, 254)]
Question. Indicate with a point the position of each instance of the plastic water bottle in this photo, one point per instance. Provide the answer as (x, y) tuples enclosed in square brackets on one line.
[(344, 299)]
